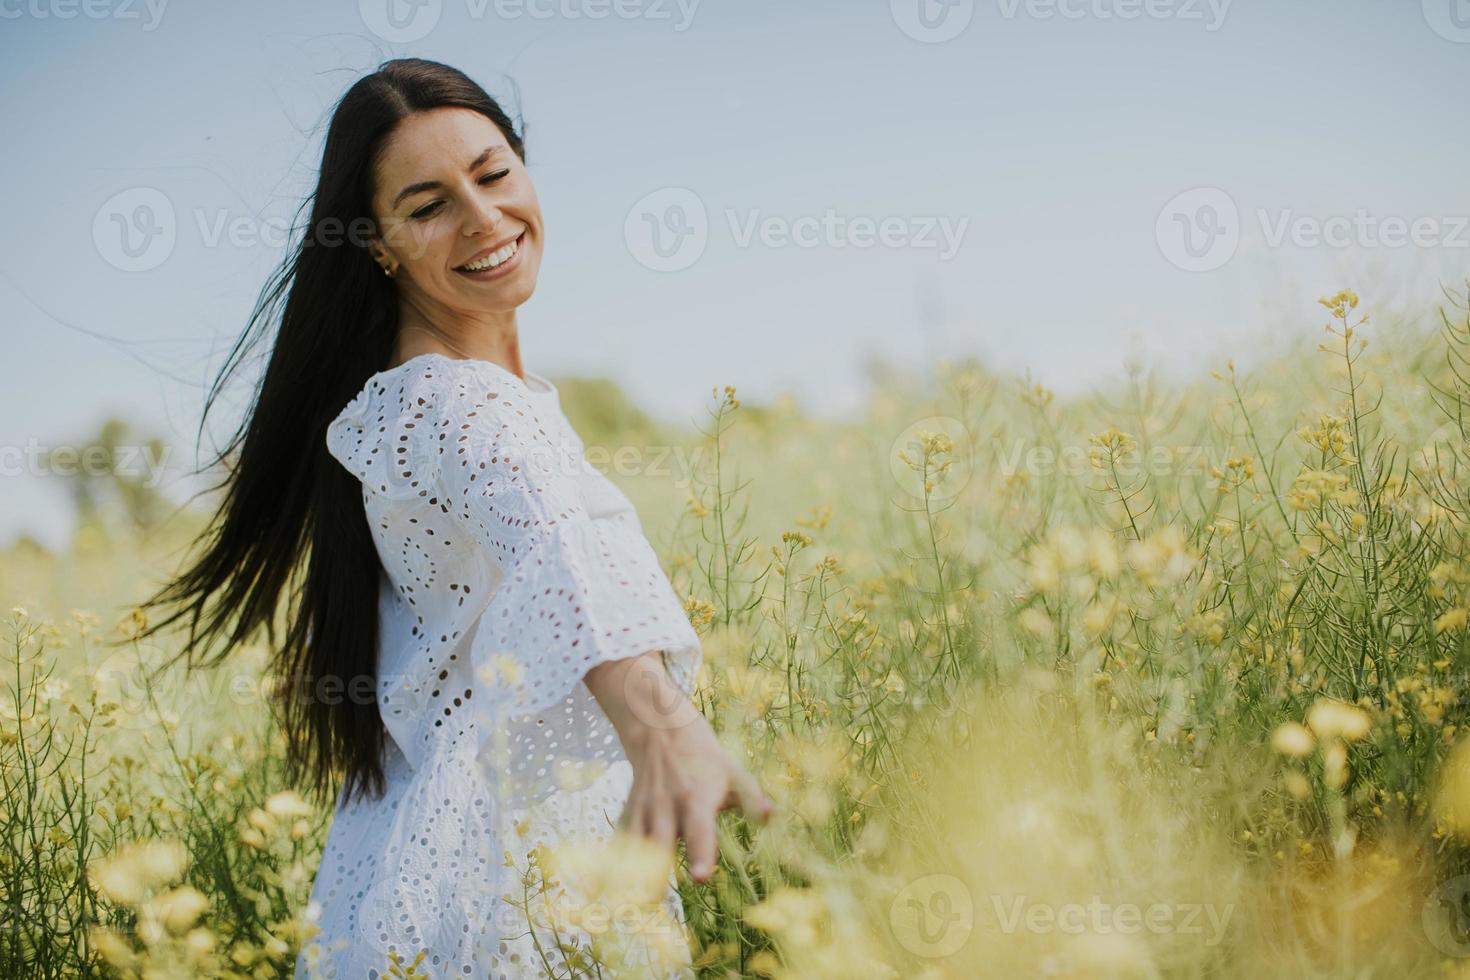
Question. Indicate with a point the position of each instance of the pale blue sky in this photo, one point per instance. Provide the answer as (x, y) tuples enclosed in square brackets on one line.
[(1047, 136)]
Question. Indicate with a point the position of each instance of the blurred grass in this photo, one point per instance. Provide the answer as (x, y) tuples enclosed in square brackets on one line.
[(1164, 681)]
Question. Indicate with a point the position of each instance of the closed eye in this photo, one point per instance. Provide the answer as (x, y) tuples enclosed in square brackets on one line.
[(432, 208)]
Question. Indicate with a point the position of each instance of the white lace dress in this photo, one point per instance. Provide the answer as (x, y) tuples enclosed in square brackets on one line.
[(510, 567)]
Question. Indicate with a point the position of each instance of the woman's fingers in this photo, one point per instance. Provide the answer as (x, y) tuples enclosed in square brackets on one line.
[(631, 819), (693, 816), (745, 792), (663, 823), (697, 827)]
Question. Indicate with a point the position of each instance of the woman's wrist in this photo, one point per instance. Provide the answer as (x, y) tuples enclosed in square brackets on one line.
[(640, 699)]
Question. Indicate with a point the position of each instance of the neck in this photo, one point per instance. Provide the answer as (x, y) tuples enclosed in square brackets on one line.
[(481, 336)]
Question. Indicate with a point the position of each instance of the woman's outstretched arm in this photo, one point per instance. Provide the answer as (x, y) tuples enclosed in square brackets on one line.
[(682, 776)]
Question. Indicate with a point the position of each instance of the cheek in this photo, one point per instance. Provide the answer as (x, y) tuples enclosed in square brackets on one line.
[(429, 242)]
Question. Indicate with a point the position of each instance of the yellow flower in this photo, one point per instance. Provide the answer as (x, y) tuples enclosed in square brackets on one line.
[(1451, 619), (1334, 765), (798, 538), (114, 949), (180, 907), (1451, 800), (501, 669), (793, 912), (700, 612), (1102, 553), (1099, 616), (134, 624), (1109, 446), (821, 514), (625, 868), (1332, 436), (1340, 303), (1036, 621), (287, 803), (128, 875), (1292, 739), (1330, 718)]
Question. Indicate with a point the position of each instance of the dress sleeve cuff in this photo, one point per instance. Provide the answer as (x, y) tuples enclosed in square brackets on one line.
[(584, 592)]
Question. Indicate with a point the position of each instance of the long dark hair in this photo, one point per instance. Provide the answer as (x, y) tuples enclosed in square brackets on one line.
[(292, 518)]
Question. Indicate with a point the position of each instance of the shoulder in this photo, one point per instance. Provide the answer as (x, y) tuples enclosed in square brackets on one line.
[(397, 432)]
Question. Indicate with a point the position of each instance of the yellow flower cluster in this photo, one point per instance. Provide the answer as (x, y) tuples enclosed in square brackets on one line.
[(1330, 724), (1108, 447), (700, 612), (730, 401), (1340, 303), (934, 459), (141, 875), (1332, 436), (1312, 488), (821, 514), (1068, 551), (1237, 472)]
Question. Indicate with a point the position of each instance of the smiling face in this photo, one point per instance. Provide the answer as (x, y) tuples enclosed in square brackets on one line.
[(460, 224)]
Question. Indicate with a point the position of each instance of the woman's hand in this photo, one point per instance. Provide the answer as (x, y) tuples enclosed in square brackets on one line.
[(682, 775)]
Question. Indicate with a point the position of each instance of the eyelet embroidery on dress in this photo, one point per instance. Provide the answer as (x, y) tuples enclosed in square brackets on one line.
[(501, 589)]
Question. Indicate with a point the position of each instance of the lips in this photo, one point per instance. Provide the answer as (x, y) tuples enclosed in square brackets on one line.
[(481, 255)]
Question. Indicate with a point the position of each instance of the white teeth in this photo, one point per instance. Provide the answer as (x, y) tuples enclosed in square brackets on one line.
[(492, 260)]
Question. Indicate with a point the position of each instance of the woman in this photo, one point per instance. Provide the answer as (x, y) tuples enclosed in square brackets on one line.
[(472, 589)]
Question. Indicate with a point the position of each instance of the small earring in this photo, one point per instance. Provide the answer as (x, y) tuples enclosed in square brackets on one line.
[(387, 273)]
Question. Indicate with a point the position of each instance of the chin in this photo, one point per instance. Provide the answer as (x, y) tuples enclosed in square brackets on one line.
[(516, 293)]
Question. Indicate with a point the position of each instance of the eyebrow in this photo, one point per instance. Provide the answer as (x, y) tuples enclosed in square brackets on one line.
[(429, 185)]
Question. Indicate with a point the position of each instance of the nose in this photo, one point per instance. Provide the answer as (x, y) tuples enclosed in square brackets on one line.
[(482, 217)]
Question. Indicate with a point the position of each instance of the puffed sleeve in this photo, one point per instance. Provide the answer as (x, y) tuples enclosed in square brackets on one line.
[(576, 590)]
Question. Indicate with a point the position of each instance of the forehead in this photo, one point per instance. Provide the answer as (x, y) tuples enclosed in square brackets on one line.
[(435, 141)]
